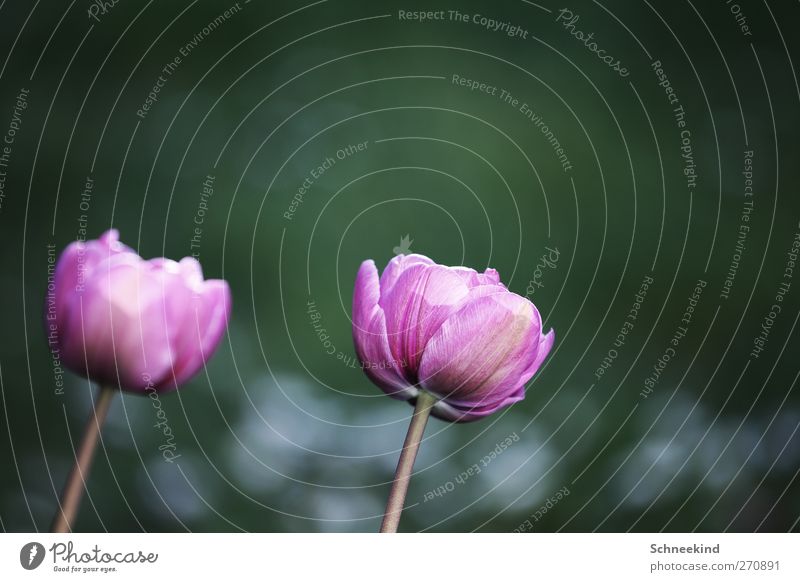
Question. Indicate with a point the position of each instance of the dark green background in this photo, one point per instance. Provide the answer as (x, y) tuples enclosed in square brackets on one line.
[(280, 435)]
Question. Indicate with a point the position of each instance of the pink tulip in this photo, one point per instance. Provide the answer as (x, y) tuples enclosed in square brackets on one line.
[(450, 331), (123, 321)]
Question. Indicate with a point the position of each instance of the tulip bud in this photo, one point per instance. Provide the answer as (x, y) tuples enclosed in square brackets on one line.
[(455, 333), (123, 321)]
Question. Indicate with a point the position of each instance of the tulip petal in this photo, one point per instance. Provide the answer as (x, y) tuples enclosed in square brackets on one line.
[(122, 326), (192, 272), (478, 355), (423, 297), (474, 279), (370, 338), (396, 267), (75, 265), (446, 410), (469, 276), (366, 294), (535, 356), (489, 277), (378, 362), (201, 330), (66, 284), (545, 345)]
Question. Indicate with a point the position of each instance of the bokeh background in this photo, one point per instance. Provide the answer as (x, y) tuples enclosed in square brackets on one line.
[(283, 432)]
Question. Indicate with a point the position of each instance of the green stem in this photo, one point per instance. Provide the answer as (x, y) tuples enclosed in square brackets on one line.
[(397, 494), (76, 481)]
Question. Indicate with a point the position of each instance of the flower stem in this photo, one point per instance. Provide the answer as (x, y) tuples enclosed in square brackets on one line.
[(76, 481), (397, 495)]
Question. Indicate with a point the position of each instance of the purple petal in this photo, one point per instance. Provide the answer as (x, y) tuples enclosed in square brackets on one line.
[(201, 331), (366, 294), (65, 281), (76, 264), (396, 267), (120, 326), (545, 345), (370, 338), (477, 357), (378, 362), (462, 413), (105, 327), (192, 272), (469, 276), (423, 297), (474, 279), (489, 277)]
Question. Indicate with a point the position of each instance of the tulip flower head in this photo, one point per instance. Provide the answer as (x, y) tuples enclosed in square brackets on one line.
[(141, 325), (455, 333)]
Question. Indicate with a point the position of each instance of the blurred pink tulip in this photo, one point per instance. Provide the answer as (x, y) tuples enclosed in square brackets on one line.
[(455, 333), (123, 321)]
